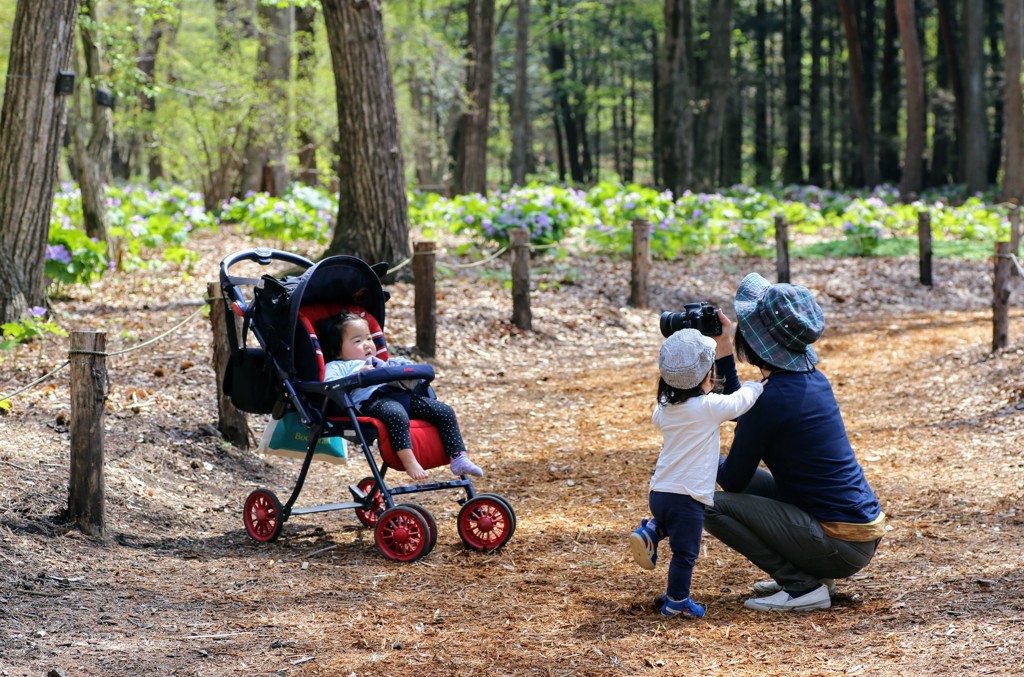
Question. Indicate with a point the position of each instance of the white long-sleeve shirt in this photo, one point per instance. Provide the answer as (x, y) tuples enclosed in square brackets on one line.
[(688, 462)]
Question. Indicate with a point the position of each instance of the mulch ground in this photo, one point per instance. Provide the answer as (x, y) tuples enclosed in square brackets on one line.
[(559, 419)]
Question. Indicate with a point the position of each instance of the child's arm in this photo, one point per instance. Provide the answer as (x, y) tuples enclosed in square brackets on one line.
[(337, 369), (737, 403)]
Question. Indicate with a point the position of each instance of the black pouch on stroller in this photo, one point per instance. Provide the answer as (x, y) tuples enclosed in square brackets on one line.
[(249, 381)]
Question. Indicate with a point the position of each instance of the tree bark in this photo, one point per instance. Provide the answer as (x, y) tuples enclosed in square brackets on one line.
[(889, 102), (858, 96), (716, 93), (816, 124), (92, 158), (1013, 180), (793, 168), (563, 107), (31, 130), (470, 175), (951, 48), (305, 68), (975, 132), (373, 218), (995, 84), (520, 112), (675, 135), (913, 164), (147, 66), (762, 149)]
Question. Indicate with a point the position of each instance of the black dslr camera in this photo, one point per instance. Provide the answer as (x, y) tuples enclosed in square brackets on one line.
[(701, 316)]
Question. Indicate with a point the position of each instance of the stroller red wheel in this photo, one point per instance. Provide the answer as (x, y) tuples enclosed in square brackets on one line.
[(402, 534), (431, 524), (513, 521), (485, 523), (369, 516), (263, 516)]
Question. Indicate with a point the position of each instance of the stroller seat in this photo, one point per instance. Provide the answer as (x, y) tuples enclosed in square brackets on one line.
[(426, 442)]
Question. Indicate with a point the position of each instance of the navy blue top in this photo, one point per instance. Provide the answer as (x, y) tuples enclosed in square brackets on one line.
[(796, 429)]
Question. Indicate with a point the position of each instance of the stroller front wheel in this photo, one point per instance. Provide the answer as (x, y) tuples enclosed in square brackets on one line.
[(486, 522), (402, 534), (263, 516)]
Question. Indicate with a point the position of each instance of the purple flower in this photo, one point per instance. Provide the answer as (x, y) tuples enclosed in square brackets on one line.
[(37, 311), (58, 252)]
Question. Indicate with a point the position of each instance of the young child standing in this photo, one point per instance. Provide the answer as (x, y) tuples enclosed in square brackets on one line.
[(346, 338), (689, 416)]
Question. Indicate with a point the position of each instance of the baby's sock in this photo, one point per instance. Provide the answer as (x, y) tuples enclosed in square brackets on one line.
[(461, 465)]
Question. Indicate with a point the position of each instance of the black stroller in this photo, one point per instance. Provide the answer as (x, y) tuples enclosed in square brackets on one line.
[(285, 373)]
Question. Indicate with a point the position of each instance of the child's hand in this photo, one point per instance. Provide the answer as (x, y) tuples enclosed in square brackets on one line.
[(723, 342)]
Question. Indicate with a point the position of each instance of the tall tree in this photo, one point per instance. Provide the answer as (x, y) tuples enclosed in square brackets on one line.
[(762, 146), (858, 95), (31, 129), (889, 102), (715, 92), (675, 118), (816, 122), (92, 158), (305, 67), (564, 110), (913, 163), (792, 48), (470, 172), (1013, 101), (996, 69), (975, 130), (951, 61), (373, 216), (520, 113)]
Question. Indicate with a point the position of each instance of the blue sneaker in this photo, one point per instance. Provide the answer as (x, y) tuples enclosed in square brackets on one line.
[(684, 607), (643, 543)]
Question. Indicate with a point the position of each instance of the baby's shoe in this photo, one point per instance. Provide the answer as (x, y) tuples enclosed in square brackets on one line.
[(686, 608), (461, 465), (643, 543)]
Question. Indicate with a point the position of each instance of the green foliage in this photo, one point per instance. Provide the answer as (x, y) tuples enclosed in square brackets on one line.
[(35, 326), (304, 213)]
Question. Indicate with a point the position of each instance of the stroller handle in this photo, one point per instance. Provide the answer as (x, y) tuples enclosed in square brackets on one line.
[(372, 377), (229, 283)]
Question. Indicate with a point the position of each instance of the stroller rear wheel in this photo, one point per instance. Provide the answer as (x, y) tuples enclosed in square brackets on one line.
[(402, 534), (513, 521), (263, 516), (369, 516), (486, 523)]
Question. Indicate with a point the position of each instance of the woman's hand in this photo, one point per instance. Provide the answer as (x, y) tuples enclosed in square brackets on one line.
[(723, 342)]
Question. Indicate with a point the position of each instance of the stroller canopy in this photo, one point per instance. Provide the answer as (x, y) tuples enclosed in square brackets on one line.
[(336, 279)]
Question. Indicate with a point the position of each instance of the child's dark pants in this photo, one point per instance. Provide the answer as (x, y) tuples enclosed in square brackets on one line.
[(681, 518)]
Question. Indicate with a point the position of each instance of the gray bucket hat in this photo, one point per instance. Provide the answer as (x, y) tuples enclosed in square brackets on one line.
[(685, 358), (780, 322)]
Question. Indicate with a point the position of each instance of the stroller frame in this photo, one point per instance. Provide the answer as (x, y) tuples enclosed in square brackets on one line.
[(402, 531)]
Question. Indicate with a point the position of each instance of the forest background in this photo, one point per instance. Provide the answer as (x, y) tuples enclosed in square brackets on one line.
[(365, 101)]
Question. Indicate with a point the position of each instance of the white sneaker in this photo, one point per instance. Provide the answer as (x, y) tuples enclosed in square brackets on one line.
[(770, 587), (783, 601)]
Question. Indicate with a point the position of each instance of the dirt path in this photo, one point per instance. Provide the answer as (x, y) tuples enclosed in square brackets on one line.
[(560, 420)]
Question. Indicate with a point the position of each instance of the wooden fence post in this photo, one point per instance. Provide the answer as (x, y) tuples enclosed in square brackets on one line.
[(781, 248), (88, 394), (520, 242), (641, 263), (1001, 297), (924, 246), (425, 299), (231, 422)]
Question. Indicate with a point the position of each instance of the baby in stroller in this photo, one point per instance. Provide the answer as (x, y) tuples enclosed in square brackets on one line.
[(348, 343)]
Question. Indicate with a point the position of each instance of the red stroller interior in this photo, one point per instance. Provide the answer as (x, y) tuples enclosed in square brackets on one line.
[(284, 373)]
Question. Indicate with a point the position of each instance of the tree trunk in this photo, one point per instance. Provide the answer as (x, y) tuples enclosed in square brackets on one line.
[(951, 48), (1013, 180), (563, 107), (93, 158), (995, 84), (266, 155), (792, 47), (816, 124), (675, 135), (858, 100), (470, 175), (762, 148), (913, 164), (732, 140), (975, 133), (31, 130), (520, 112), (889, 102), (305, 69), (373, 217), (147, 66), (716, 92)]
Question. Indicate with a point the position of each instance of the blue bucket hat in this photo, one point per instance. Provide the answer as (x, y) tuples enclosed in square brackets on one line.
[(779, 322)]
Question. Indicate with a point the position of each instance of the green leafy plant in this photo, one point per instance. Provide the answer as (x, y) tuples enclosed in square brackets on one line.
[(25, 330)]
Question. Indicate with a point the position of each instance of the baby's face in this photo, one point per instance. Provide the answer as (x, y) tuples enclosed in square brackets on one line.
[(357, 343)]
